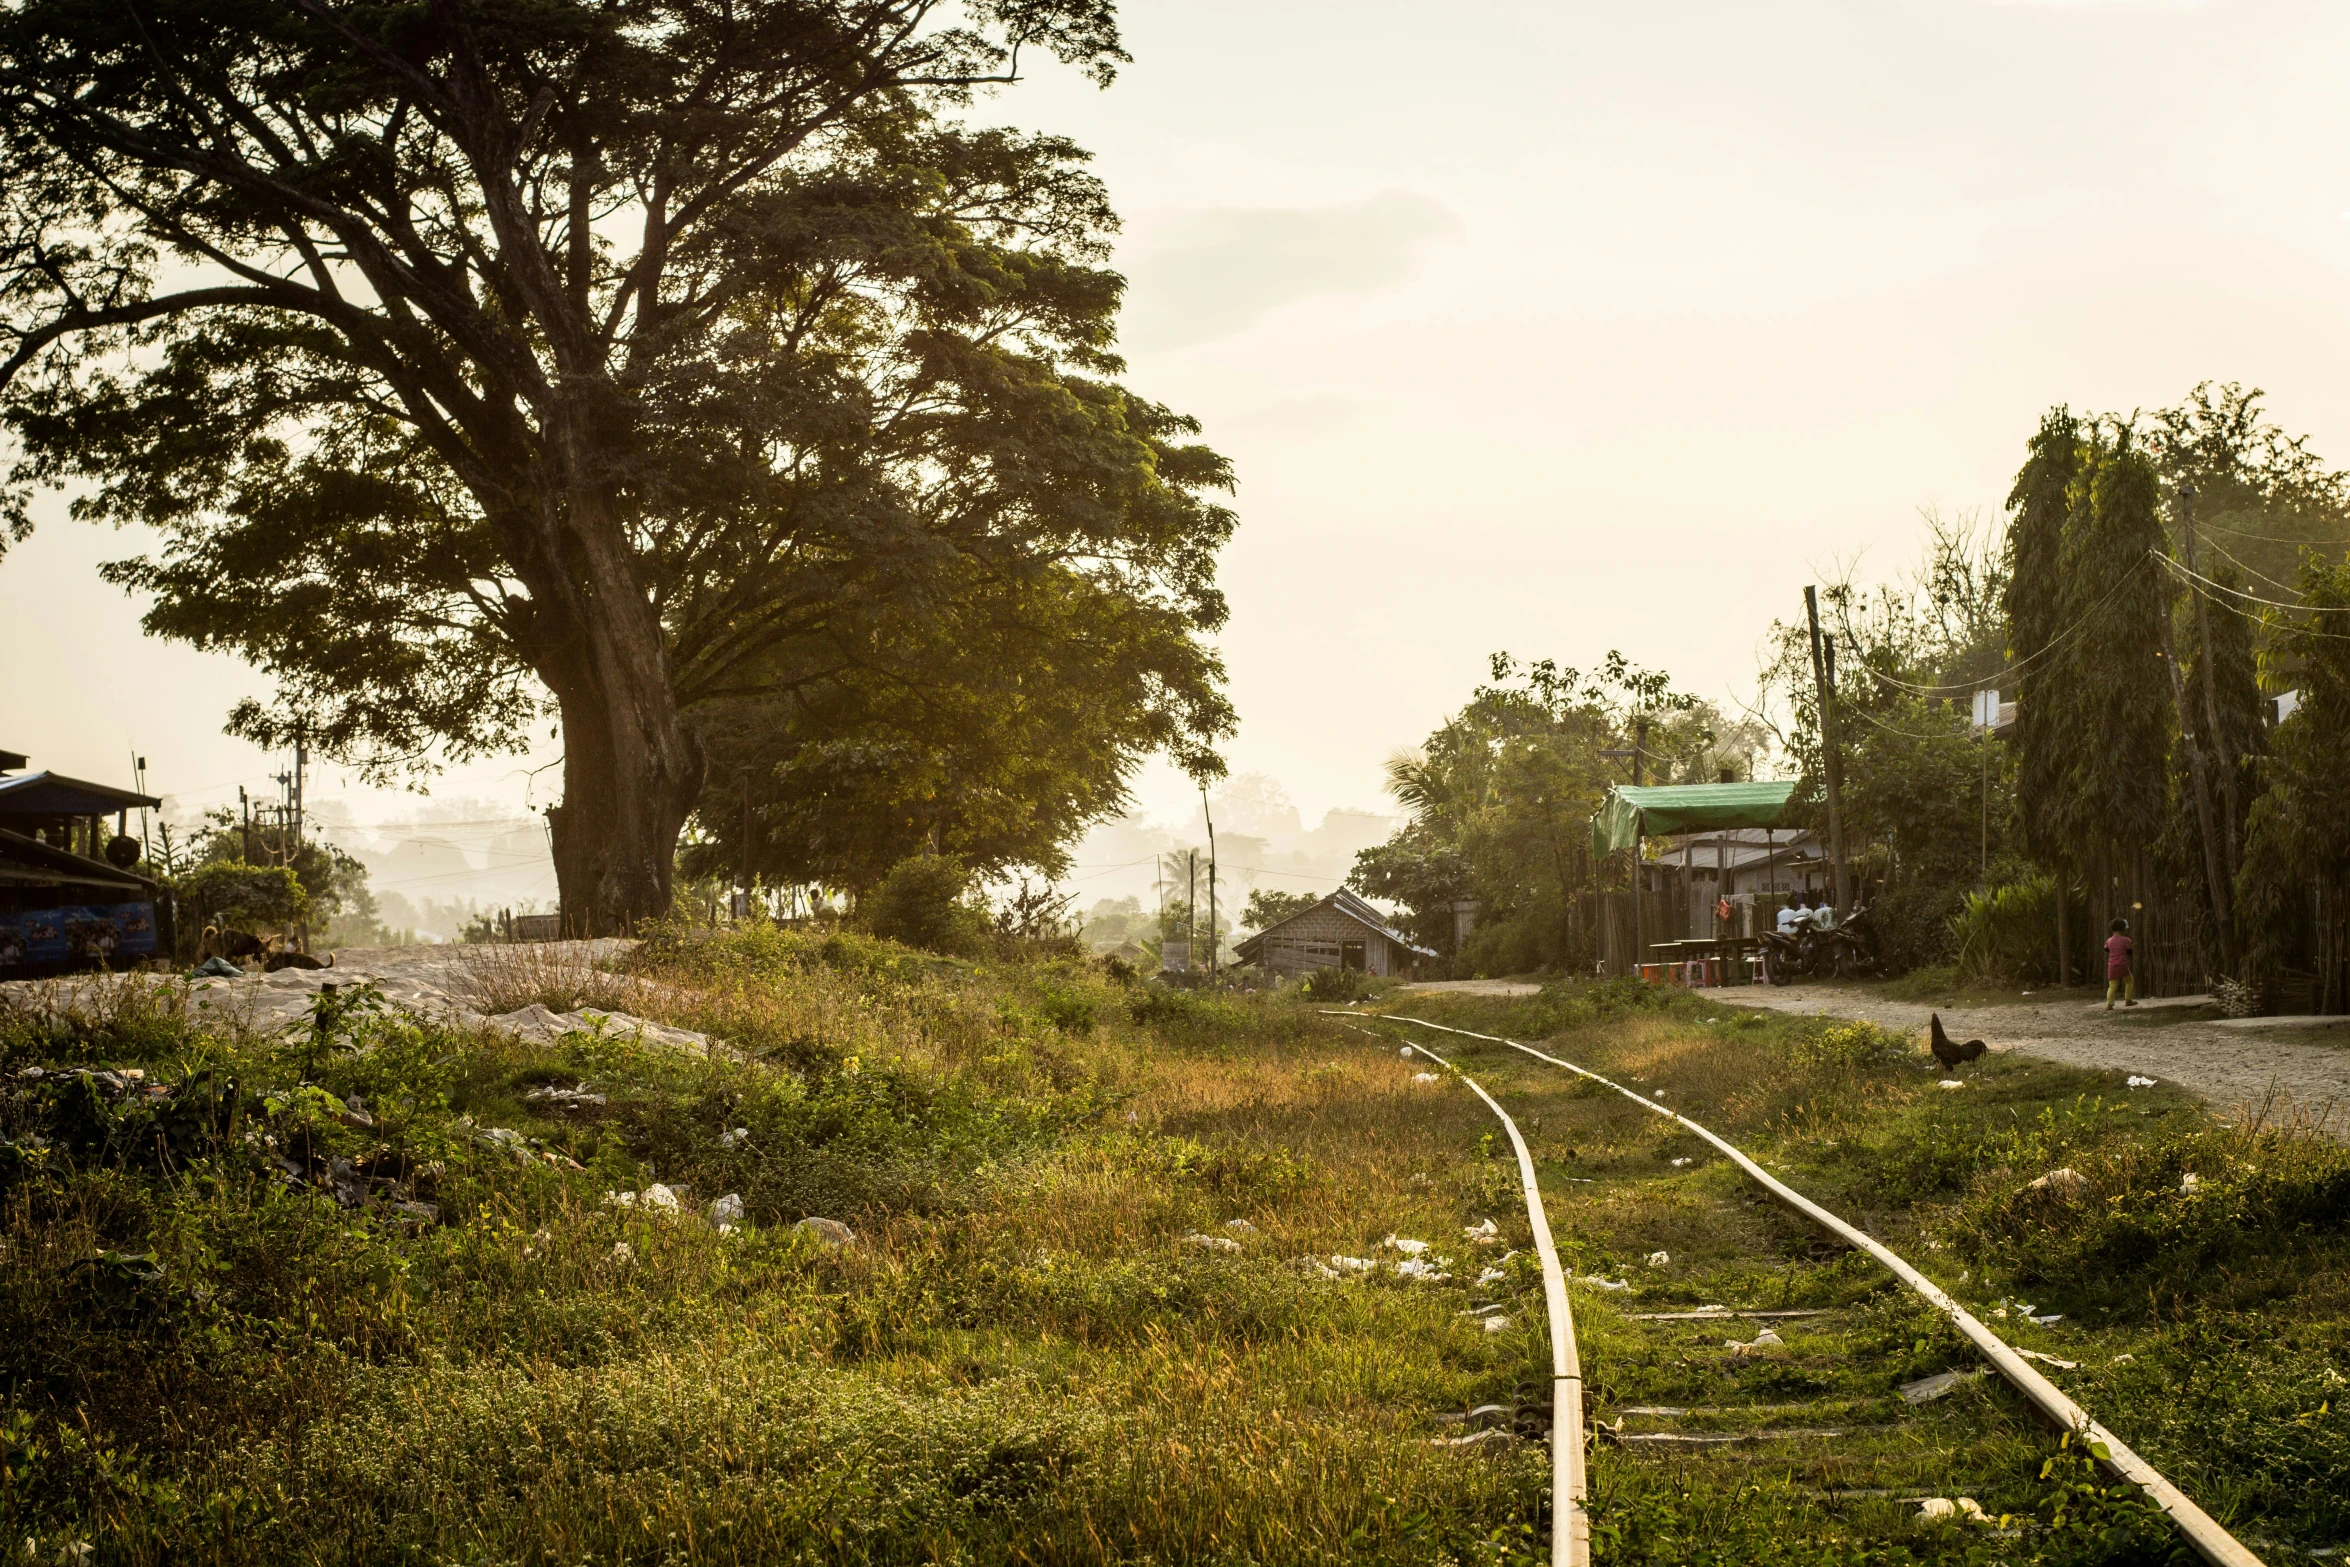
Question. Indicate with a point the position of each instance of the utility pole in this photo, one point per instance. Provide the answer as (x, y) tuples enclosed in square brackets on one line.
[(1639, 850), (1213, 943), (301, 761), (284, 810), (1191, 910), (1986, 718), (1830, 764), (139, 780), (245, 805)]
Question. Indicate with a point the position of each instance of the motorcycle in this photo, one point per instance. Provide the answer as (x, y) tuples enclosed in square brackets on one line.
[(1849, 949), (1790, 955)]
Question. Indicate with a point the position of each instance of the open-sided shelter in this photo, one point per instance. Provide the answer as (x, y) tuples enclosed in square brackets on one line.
[(1633, 812)]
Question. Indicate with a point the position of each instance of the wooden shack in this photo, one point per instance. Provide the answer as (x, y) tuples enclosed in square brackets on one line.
[(1340, 932), (70, 896)]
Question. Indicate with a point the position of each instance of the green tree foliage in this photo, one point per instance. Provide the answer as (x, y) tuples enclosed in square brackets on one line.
[(1267, 907), (1907, 655), (2086, 613), (996, 725), (2240, 740), (2038, 506), (2113, 796), (234, 895), (2262, 496), (671, 368), (2297, 850), (928, 901), (1500, 799), (2235, 748), (1915, 784), (1910, 654), (335, 897)]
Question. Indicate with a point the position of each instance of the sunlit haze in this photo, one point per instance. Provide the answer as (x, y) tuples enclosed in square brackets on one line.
[(1547, 328)]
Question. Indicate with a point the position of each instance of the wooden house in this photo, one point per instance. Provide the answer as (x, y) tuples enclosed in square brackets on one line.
[(1340, 932)]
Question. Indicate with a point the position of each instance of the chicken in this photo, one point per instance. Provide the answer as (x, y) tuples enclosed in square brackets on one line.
[(1950, 1054)]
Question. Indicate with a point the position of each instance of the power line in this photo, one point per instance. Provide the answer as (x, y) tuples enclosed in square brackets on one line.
[(2303, 608), (1908, 734), (2061, 639), (2270, 538), (2251, 571), (2196, 585)]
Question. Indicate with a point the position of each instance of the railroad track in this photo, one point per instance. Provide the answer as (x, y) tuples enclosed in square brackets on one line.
[(1689, 1393)]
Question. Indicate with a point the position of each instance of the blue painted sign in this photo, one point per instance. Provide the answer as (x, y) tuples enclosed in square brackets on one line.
[(79, 933)]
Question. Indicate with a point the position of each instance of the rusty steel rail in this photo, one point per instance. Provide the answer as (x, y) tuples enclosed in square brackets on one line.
[(1570, 1529), (2215, 1543)]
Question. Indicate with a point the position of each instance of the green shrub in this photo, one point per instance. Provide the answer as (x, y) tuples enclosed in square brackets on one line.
[(1847, 1044), (1914, 926), (1517, 945), (1068, 1009), (2008, 934), (1332, 984), (927, 901), (2137, 1221), (1187, 1015), (232, 894)]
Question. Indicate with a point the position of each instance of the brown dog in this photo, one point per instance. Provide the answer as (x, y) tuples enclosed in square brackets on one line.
[(240, 946)]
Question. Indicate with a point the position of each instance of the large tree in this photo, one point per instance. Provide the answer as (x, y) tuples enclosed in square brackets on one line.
[(478, 358), (993, 722), (2039, 504), (2293, 892), (2119, 715)]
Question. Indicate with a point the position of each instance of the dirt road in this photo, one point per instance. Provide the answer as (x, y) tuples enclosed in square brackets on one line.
[(2228, 1063)]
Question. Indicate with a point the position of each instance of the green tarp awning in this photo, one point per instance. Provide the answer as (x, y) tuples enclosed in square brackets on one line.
[(1660, 810)]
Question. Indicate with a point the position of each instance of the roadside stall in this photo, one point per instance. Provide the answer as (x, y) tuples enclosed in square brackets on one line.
[(1632, 814)]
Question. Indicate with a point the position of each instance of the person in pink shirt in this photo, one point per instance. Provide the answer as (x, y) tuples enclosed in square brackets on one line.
[(2120, 979)]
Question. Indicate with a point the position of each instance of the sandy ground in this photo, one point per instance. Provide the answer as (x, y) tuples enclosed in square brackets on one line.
[(2178, 1038)]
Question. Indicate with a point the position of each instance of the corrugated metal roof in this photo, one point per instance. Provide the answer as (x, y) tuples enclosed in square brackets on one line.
[(54, 794), (28, 860)]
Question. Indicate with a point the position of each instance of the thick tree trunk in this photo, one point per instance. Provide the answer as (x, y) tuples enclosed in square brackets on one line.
[(615, 834), (631, 768)]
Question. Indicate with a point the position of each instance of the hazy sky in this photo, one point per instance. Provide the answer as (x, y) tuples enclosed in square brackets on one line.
[(1558, 328)]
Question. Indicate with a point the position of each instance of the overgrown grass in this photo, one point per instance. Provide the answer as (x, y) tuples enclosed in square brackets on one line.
[(1030, 1353), (2193, 1307)]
